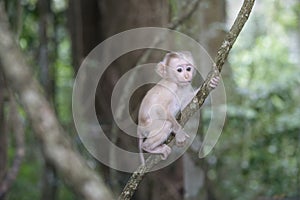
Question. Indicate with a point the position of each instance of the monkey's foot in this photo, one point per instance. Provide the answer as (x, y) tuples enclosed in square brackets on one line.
[(163, 149), (166, 151), (181, 138)]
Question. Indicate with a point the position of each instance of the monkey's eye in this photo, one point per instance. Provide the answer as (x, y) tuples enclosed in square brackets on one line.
[(188, 69), (179, 69)]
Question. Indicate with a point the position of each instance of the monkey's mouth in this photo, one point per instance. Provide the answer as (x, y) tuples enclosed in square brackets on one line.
[(185, 82)]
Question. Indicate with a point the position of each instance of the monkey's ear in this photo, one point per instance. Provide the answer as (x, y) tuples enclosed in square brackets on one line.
[(161, 69)]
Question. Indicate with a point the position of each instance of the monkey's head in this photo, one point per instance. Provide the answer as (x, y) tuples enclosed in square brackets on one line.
[(177, 67)]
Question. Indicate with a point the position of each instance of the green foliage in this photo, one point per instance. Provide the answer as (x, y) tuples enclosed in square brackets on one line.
[(29, 34), (259, 149), (29, 176), (27, 182), (174, 7), (64, 82)]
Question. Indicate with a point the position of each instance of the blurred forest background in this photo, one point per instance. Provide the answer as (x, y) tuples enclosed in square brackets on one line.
[(258, 153)]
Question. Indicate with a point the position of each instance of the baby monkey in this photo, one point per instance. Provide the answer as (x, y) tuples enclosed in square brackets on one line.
[(161, 104)]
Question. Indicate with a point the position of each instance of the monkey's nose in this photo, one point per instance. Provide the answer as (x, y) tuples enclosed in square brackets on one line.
[(186, 76)]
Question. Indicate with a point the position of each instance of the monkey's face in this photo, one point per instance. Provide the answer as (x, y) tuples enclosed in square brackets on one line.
[(181, 70)]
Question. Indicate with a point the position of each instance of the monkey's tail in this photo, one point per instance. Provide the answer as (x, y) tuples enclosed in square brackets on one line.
[(140, 148)]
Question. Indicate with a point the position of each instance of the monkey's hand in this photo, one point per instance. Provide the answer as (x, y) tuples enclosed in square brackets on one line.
[(181, 137), (214, 82)]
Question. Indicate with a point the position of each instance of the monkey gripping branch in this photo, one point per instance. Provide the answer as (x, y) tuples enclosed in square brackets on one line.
[(200, 97)]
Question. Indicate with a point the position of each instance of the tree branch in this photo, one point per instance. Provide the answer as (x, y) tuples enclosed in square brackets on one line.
[(55, 144), (198, 100)]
